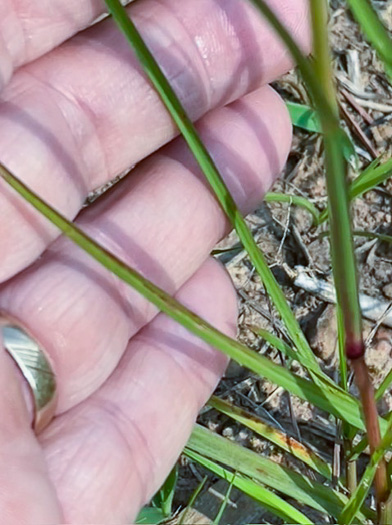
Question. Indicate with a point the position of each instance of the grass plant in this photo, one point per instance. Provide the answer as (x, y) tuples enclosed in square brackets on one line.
[(256, 475)]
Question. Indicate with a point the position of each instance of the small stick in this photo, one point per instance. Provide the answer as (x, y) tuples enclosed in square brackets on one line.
[(359, 109), (356, 129)]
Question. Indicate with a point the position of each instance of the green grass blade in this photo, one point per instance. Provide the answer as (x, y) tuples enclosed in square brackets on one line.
[(164, 498), (269, 500), (192, 500), (376, 173), (325, 394), (209, 169), (223, 506), (375, 31), (341, 239), (355, 502), (296, 200), (265, 471), (274, 435), (283, 347), (373, 235), (150, 516), (304, 65), (371, 177), (304, 117), (385, 384)]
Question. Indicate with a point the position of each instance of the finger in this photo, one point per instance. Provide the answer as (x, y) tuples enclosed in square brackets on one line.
[(82, 114), (26, 494), (30, 29), (116, 448), (163, 221)]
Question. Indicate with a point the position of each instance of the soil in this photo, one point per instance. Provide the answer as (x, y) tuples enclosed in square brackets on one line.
[(286, 236)]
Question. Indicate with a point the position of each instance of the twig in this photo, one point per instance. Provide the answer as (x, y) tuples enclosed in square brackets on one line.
[(356, 129), (372, 308)]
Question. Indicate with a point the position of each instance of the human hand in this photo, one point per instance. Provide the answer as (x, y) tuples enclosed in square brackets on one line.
[(130, 382)]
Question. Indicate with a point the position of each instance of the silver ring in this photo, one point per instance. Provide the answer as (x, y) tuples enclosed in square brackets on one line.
[(35, 368)]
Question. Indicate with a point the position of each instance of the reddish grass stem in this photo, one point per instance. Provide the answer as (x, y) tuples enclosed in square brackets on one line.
[(366, 392)]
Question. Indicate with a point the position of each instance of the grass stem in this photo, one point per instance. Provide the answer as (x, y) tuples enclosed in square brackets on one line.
[(366, 392)]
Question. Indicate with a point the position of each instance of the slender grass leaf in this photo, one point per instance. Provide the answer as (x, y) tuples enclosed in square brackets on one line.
[(296, 200), (376, 173), (385, 384), (304, 64), (373, 235), (342, 247), (192, 500), (223, 506), (356, 500), (150, 516), (274, 435), (325, 394), (371, 177), (164, 498), (305, 117), (341, 240), (283, 347), (263, 470), (269, 500), (375, 31), (204, 159)]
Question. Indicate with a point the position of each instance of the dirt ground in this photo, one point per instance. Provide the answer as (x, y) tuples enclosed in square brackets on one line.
[(286, 235)]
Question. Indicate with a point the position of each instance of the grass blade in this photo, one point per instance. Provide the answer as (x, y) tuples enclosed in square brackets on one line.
[(209, 169), (297, 201), (341, 240), (274, 435), (355, 502), (164, 498), (269, 473), (265, 497), (385, 384), (374, 30), (223, 506), (325, 394), (322, 92), (283, 347), (150, 516), (375, 174), (192, 500), (371, 177)]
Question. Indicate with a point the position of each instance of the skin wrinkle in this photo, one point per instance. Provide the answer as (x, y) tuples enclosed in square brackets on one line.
[(48, 23), (83, 132), (19, 39), (129, 433), (106, 422), (53, 149)]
